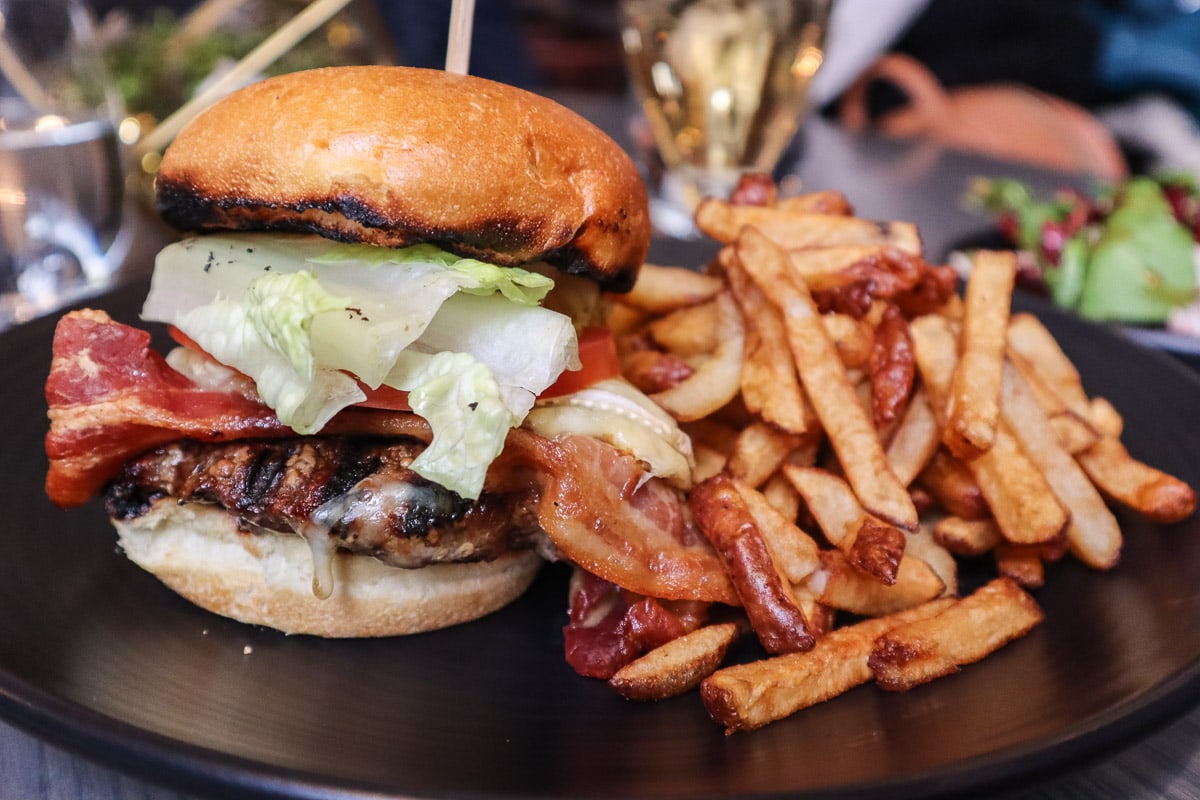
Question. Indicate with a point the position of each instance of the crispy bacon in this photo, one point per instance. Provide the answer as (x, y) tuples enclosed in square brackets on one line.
[(110, 397), (609, 627), (599, 517), (916, 286), (892, 366)]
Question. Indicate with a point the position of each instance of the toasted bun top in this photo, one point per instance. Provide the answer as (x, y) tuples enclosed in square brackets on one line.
[(394, 156)]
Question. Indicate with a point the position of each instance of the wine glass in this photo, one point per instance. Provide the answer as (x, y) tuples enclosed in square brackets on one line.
[(61, 170), (723, 86)]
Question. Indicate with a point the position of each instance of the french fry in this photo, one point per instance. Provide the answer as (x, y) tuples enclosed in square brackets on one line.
[(841, 585), (1018, 494), (748, 696), (687, 331), (793, 550), (828, 201), (853, 339), (709, 462), (724, 222), (830, 501), (1151, 492), (782, 496), (821, 618), (765, 594), (877, 549), (1093, 532), (677, 666), (842, 519), (717, 380), (915, 438), (623, 319), (1104, 418), (831, 267), (1074, 434), (1031, 341), (973, 402), (759, 451), (951, 483), (842, 417), (1021, 563), (770, 385), (660, 288), (922, 545), (967, 537), (973, 627)]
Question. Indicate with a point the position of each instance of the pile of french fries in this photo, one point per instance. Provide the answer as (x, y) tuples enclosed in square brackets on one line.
[(859, 427)]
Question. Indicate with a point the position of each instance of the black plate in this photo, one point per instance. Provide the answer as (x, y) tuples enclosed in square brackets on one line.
[(97, 656)]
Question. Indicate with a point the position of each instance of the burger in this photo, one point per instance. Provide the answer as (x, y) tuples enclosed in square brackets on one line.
[(390, 397)]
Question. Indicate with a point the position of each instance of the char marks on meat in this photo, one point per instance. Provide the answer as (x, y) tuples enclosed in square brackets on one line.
[(359, 489)]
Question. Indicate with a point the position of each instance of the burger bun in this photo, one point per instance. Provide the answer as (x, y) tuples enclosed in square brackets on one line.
[(265, 578), (396, 156)]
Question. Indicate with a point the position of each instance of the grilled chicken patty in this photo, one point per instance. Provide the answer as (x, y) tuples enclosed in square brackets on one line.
[(360, 491)]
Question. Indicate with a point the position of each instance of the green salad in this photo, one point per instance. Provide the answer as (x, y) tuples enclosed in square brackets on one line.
[(1126, 253)]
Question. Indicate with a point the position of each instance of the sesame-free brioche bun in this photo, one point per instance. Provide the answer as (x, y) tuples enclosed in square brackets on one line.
[(395, 156), (266, 578)]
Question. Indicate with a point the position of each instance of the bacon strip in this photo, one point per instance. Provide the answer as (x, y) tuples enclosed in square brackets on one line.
[(635, 536), (607, 628), (110, 397)]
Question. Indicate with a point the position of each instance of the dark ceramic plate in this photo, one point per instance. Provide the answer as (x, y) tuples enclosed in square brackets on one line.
[(96, 656)]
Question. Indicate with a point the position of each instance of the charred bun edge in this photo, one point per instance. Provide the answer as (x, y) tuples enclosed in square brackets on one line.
[(349, 219)]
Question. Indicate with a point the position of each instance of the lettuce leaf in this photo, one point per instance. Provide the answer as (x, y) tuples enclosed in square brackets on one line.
[(304, 402), (516, 284), (274, 308), (460, 400)]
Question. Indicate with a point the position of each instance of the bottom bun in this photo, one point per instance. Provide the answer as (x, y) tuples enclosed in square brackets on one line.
[(267, 578)]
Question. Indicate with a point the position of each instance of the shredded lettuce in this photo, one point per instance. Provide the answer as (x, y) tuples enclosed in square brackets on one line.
[(275, 308), (517, 285), (460, 400), (281, 308), (227, 331)]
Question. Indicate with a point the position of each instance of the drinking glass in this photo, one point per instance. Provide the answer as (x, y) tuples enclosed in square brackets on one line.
[(723, 86), (61, 171)]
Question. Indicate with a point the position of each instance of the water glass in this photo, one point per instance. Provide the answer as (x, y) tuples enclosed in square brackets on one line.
[(723, 85), (61, 171)]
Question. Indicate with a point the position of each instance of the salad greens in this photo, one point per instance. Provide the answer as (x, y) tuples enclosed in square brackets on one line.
[(1125, 254)]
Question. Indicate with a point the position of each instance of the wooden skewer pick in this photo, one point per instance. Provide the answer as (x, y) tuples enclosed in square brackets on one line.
[(281, 41), (458, 45)]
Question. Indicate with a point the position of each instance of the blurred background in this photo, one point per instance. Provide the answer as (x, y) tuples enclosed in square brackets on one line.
[(1125, 69)]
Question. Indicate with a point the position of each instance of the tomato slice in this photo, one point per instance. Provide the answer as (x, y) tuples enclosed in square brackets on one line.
[(384, 397), (183, 340), (598, 354)]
